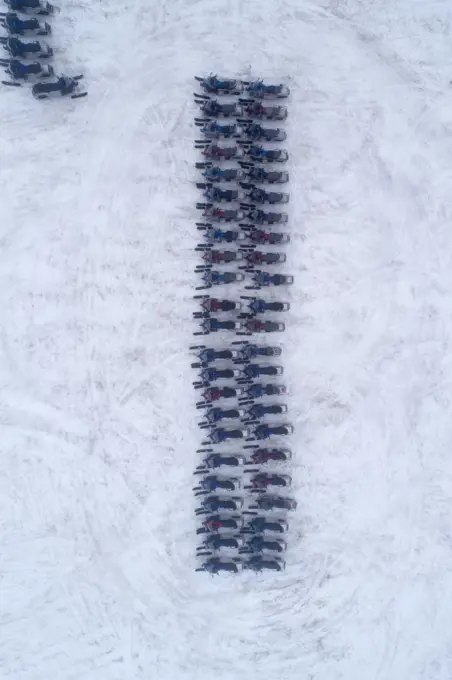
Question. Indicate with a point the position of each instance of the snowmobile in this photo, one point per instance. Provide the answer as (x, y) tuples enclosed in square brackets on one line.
[(258, 564), (250, 351), (259, 306), (262, 217), (213, 173), (257, 326), (20, 71), (253, 371), (30, 6), (264, 481), (220, 153), (17, 48), (212, 108), (257, 195), (265, 238), (259, 90), (218, 256), (260, 176), (261, 155), (216, 523), (216, 415), (255, 109), (213, 235), (258, 544), (262, 279), (213, 482), (216, 460), (258, 411), (213, 374), (63, 86), (259, 390), (207, 355), (216, 214), (216, 278), (257, 133), (221, 435), (266, 431), (212, 325), (215, 503), (257, 257), (275, 503), (261, 456), (219, 541), (214, 130), (212, 394), (260, 525), (214, 566), (216, 194), (214, 85), (215, 306), (17, 26)]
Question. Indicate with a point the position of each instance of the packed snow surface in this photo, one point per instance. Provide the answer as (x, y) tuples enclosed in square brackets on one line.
[(97, 410)]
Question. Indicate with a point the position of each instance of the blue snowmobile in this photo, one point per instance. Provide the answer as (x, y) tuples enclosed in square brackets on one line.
[(216, 278), (259, 390), (30, 7), (259, 90), (214, 85), (265, 279), (20, 71), (17, 26), (216, 174), (17, 48), (261, 155), (259, 306), (266, 431), (213, 235)]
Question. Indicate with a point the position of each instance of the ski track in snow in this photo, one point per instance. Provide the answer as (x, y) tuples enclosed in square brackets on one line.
[(97, 409)]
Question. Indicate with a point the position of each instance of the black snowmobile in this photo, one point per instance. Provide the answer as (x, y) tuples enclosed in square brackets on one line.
[(265, 238), (261, 217), (255, 109), (17, 48), (258, 326), (260, 90), (217, 214), (261, 155), (257, 257), (275, 503), (260, 525), (216, 415), (213, 173), (212, 394), (212, 193), (215, 566), (259, 564), (260, 176), (256, 195), (259, 306), (257, 133), (17, 26), (258, 411), (253, 371), (218, 256), (217, 460), (261, 456), (266, 431), (258, 544), (248, 351), (260, 390), (63, 86), (219, 153), (212, 108), (217, 278), (213, 325)]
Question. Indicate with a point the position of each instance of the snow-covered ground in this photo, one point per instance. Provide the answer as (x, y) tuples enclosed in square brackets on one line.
[(98, 431)]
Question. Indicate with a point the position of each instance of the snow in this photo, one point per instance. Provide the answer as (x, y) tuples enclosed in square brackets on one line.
[(97, 409)]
